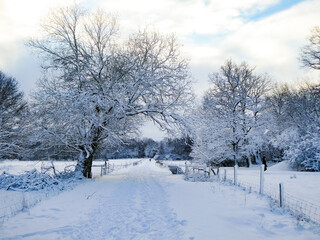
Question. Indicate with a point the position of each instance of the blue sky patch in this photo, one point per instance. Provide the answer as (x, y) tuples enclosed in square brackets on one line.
[(273, 9)]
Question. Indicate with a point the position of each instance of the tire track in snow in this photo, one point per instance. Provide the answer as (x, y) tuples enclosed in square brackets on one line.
[(136, 210)]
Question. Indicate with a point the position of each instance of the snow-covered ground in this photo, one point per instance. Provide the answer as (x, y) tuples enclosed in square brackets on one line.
[(148, 202), (301, 185), (301, 190), (12, 202)]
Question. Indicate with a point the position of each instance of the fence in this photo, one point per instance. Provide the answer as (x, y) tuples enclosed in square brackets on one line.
[(104, 168), (107, 167), (299, 207), (14, 202)]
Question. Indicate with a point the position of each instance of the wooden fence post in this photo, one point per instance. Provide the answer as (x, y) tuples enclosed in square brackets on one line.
[(105, 168), (236, 175), (281, 194), (186, 170), (261, 178)]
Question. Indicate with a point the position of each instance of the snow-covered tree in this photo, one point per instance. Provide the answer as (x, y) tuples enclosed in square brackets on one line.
[(211, 138), (12, 113), (304, 152), (174, 148), (98, 88), (151, 148), (297, 132), (310, 54), (230, 115)]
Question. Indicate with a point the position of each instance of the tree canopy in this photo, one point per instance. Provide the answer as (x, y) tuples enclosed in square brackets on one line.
[(98, 88), (12, 113)]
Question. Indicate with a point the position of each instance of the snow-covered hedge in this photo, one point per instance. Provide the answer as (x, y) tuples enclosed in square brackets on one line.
[(305, 154), (34, 181)]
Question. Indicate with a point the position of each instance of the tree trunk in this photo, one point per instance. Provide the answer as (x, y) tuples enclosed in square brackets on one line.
[(258, 157), (87, 166), (235, 153), (249, 161), (84, 164), (86, 156)]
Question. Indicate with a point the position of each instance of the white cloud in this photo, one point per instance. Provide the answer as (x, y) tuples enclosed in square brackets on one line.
[(210, 32), (273, 43), (19, 20), (270, 43), (184, 17)]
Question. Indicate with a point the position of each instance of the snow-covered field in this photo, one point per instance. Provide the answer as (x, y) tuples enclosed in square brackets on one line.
[(301, 190), (19, 167), (303, 185), (148, 202)]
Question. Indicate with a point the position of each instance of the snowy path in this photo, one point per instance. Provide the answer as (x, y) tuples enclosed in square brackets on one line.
[(147, 202), (135, 210), (126, 205)]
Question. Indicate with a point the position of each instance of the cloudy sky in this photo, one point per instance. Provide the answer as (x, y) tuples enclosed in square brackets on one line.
[(266, 33)]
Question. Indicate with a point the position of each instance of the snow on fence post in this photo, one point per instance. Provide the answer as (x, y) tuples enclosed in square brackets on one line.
[(105, 168), (187, 170), (24, 205), (281, 194), (225, 175), (261, 178), (236, 175)]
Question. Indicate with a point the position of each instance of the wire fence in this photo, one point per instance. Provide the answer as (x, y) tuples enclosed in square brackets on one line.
[(108, 167), (302, 209), (14, 202)]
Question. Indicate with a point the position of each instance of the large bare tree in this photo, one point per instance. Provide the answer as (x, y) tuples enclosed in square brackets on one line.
[(98, 87), (230, 115)]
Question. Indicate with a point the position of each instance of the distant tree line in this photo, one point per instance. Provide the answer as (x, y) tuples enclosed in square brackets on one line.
[(166, 149)]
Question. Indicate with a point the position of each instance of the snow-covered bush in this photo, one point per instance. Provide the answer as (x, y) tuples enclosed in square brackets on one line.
[(29, 181), (305, 154), (296, 113), (198, 177), (35, 181)]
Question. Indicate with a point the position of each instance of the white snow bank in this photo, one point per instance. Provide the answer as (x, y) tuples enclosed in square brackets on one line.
[(281, 166)]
